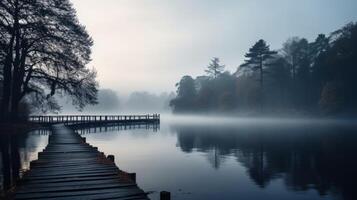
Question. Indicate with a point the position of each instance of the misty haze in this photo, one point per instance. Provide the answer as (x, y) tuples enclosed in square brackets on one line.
[(179, 99)]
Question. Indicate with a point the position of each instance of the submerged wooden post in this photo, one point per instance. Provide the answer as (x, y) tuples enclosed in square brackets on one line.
[(164, 195)]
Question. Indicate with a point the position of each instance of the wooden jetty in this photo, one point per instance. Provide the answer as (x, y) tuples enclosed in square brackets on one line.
[(70, 168), (93, 119)]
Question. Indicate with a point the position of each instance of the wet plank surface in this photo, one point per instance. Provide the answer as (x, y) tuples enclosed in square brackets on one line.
[(70, 168)]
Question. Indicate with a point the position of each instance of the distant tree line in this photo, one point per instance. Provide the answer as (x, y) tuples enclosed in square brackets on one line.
[(43, 51), (148, 102), (110, 102), (302, 76)]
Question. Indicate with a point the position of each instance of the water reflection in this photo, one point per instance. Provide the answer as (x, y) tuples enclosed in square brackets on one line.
[(99, 128), (10, 160), (17, 149), (304, 157)]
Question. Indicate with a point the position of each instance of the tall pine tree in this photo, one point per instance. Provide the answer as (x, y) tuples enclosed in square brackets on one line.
[(214, 68), (256, 61)]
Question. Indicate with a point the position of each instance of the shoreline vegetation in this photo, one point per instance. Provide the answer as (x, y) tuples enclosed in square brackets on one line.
[(305, 78)]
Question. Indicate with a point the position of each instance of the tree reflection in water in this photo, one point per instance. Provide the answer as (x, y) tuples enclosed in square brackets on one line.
[(17, 149), (304, 157), (10, 163)]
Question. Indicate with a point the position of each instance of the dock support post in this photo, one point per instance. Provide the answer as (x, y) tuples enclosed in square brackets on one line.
[(111, 157), (32, 164), (164, 195), (132, 176)]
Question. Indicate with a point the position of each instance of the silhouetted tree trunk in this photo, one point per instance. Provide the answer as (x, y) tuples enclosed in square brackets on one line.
[(5, 154), (7, 78), (261, 83), (15, 159)]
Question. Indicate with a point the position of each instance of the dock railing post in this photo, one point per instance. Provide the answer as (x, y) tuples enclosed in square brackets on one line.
[(132, 176), (111, 158), (164, 195)]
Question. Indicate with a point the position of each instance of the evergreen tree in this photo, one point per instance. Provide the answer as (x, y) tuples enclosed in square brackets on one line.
[(214, 68), (340, 63), (318, 52), (256, 61)]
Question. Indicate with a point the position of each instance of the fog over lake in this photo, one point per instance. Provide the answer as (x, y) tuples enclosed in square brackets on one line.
[(200, 100)]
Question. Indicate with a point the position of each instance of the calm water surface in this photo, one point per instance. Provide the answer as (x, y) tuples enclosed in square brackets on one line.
[(17, 150), (196, 158), (239, 159)]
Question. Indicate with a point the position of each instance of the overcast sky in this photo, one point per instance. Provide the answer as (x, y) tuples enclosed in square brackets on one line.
[(150, 44)]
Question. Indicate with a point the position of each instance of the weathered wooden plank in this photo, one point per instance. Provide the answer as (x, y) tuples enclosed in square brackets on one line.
[(110, 196), (64, 174), (78, 180), (73, 175), (69, 188), (104, 193), (49, 164), (75, 183), (74, 168)]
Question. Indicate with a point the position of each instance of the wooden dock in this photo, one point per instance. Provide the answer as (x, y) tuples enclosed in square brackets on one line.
[(93, 119), (70, 168)]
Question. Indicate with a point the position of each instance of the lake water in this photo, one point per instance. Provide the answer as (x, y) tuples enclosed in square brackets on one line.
[(216, 158), (17, 150)]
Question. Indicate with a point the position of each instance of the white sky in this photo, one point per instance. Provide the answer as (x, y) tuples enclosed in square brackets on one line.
[(150, 44)]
